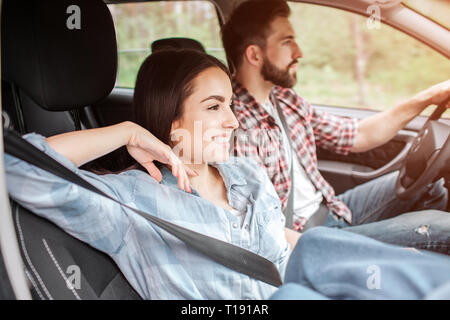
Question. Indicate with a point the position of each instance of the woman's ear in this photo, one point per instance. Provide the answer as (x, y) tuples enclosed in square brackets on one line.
[(175, 125), (253, 55)]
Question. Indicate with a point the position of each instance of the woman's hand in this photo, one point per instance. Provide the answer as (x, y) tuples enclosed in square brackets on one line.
[(86, 145), (145, 148)]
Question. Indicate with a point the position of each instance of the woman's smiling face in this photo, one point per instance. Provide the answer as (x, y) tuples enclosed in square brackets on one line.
[(207, 122)]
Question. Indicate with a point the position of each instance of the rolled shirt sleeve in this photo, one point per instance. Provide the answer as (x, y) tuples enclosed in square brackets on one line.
[(334, 133)]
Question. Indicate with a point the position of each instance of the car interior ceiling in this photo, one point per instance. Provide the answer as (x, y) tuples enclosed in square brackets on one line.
[(52, 81)]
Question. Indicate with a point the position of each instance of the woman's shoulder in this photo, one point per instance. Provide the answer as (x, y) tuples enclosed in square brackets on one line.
[(124, 178)]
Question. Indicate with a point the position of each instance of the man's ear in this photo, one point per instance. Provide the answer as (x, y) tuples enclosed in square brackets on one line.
[(254, 55)]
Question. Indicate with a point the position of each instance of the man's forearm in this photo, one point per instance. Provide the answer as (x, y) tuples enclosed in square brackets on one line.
[(382, 127)]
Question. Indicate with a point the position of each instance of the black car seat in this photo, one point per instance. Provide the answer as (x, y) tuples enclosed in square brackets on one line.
[(176, 43), (34, 97), (54, 64)]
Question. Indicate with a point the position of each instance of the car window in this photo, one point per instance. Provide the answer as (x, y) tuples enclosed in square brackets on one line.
[(349, 61), (139, 24)]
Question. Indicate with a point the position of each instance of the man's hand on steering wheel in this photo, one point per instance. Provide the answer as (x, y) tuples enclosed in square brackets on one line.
[(435, 94), (429, 155)]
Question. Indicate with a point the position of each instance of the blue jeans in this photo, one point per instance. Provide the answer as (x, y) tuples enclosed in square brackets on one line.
[(377, 213), (336, 264)]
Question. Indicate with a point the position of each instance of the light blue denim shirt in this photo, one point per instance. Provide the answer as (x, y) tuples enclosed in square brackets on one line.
[(158, 265)]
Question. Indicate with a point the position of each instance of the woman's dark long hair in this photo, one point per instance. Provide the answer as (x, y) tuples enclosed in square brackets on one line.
[(164, 81)]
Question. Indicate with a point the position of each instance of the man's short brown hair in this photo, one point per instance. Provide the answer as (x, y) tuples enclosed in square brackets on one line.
[(249, 24)]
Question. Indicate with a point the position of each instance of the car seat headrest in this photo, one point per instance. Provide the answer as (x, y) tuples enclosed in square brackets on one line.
[(62, 53), (176, 43)]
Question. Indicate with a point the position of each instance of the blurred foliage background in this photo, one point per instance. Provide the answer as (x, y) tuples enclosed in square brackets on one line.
[(139, 24), (347, 59)]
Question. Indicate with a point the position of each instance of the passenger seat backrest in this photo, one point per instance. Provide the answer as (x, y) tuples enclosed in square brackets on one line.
[(59, 56), (54, 260)]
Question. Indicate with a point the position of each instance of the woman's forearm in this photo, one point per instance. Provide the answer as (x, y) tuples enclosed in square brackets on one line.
[(86, 145)]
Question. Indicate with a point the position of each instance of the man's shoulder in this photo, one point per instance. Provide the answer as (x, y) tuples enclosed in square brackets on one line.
[(245, 107), (292, 99), (246, 116), (250, 114), (284, 91)]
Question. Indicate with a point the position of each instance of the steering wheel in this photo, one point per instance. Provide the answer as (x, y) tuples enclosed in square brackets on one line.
[(428, 157)]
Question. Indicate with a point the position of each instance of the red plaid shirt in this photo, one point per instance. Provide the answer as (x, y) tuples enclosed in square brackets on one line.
[(259, 137)]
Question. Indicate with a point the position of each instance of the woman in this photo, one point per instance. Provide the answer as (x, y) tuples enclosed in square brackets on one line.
[(181, 102)]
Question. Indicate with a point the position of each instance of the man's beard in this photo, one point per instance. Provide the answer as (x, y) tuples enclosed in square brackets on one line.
[(277, 76)]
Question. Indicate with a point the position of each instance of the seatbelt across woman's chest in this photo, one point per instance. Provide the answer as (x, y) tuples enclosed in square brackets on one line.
[(231, 256)]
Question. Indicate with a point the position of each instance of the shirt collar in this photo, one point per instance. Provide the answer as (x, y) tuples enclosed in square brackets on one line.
[(284, 95), (247, 101), (290, 99), (230, 173)]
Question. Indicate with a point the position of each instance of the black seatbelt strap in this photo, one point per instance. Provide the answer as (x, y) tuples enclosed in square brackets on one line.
[(319, 217), (75, 115), (231, 256), (289, 211), (18, 108)]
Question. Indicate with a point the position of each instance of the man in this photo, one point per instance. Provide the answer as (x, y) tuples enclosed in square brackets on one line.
[(260, 42)]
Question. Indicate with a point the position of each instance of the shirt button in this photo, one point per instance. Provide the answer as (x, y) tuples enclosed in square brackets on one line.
[(234, 225), (246, 227)]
